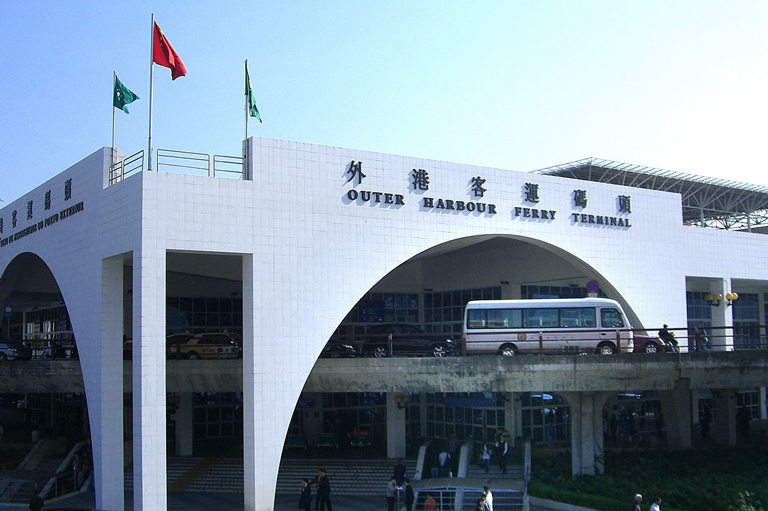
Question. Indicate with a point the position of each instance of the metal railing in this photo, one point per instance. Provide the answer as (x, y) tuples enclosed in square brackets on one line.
[(229, 166), (121, 169), (181, 162)]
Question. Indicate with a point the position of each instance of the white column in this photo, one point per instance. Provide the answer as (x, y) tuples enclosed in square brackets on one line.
[(261, 438), (149, 394), (721, 336), (105, 401), (395, 428)]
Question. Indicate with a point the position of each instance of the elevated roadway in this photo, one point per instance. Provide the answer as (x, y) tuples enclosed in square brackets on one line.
[(552, 373)]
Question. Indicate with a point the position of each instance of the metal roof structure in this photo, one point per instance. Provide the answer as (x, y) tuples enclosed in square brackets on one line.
[(706, 201)]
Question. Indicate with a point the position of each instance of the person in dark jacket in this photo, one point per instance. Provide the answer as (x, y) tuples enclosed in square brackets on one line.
[(399, 472), (408, 495), (305, 500), (323, 490)]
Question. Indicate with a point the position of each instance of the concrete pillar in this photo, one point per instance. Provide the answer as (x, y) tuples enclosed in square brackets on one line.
[(676, 408), (587, 454), (395, 427), (184, 424), (105, 403), (149, 396), (724, 427), (513, 415)]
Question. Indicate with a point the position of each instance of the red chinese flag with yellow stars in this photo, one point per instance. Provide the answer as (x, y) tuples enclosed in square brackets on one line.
[(164, 55)]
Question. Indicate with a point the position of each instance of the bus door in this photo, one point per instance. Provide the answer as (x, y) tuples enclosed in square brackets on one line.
[(611, 322)]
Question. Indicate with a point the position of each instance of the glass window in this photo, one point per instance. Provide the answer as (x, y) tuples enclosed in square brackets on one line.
[(540, 318), (611, 318)]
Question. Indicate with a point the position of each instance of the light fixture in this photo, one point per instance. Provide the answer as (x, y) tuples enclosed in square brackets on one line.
[(504, 282), (402, 401), (713, 299)]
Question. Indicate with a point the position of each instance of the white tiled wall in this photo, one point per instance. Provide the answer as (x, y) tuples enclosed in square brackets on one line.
[(314, 253)]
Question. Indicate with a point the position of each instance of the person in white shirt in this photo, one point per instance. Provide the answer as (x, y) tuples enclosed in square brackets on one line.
[(656, 504), (488, 498)]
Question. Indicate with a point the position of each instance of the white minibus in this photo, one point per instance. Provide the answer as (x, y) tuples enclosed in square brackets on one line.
[(579, 325)]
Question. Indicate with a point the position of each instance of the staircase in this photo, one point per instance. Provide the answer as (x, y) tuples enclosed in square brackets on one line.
[(348, 477), (515, 472)]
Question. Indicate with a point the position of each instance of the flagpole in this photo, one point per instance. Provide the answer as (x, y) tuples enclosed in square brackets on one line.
[(151, 90), (246, 99), (114, 84)]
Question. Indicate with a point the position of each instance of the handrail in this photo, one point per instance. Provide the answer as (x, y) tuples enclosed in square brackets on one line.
[(170, 158), (234, 165), (121, 169)]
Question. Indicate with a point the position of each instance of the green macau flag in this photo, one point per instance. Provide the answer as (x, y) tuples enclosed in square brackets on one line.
[(123, 96), (250, 96)]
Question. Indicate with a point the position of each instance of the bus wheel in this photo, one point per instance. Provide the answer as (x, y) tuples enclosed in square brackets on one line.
[(380, 351), (651, 347), (508, 350), (606, 348)]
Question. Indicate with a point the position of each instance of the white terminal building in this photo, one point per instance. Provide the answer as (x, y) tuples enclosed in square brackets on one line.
[(301, 243)]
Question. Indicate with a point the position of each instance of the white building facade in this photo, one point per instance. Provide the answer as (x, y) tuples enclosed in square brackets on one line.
[(310, 231)]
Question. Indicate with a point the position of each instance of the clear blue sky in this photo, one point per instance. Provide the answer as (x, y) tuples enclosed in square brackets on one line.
[(520, 85)]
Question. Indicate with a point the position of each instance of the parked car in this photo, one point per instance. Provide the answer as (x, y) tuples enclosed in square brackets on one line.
[(206, 346), (174, 342), (650, 344), (14, 350), (336, 348), (405, 339)]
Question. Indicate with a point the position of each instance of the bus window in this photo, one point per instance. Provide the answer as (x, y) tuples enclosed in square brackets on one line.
[(576, 317), (476, 318), (541, 318), (504, 318), (611, 318)]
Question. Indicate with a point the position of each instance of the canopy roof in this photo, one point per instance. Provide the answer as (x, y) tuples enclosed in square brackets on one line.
[(706, 201)]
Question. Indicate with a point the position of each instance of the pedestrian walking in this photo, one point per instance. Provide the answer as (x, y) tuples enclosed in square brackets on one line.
[(391, 493), (444, 460), (488, 498), (485, 457), (636, 502), (409, 496), (323, 490), (399, 472), (305, 499), (656, 504), (502, 448)]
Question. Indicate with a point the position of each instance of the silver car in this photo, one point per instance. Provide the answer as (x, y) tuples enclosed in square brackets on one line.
[(14, 350)]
